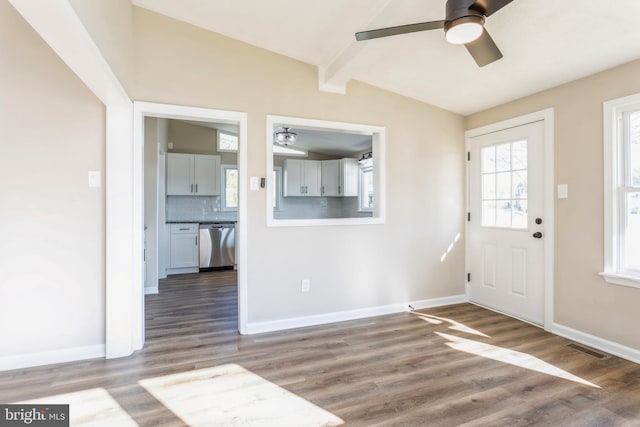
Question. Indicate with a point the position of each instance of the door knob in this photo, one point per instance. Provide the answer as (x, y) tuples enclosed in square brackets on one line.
[(537, 235)]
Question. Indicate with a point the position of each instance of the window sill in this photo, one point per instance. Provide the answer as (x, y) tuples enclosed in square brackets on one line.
[(621, 279)]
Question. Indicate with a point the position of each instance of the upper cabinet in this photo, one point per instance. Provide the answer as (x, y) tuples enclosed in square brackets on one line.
[(302, 177), (348, 177), (332, 178), (193, 175)]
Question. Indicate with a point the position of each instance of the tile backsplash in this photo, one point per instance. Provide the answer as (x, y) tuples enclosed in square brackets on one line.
[(197, 209)]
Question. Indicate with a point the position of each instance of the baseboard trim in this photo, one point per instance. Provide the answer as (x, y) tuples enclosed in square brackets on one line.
[(151, 290), (29, 360), (341, 316), (598, 343)]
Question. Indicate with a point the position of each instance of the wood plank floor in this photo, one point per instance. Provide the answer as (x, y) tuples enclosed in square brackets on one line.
[(449, 366)]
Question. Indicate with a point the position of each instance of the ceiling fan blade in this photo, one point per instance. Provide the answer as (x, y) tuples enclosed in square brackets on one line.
[(489, 7), (484, 50), (401, 29)]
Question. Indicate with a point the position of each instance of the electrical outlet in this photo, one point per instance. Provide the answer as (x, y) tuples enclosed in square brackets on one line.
[(305, 285)]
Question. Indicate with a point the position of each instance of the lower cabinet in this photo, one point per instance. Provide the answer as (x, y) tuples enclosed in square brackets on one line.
[(184, 249)]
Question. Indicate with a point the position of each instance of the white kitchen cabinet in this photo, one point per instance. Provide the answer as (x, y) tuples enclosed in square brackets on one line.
[(184, 250), (330, 178), (302, 177), (193, 175), (340, 178), (349, 170)]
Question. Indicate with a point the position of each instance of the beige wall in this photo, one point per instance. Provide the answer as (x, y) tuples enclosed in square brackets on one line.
[(583, 300), (193, 139), (110, 24), (350, 267), (52, 225)]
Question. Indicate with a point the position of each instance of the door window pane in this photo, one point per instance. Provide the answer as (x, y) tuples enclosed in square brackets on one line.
[(503, 184), (489, 213), (503, 157), (489, 186), (488, 159), (519, 155)]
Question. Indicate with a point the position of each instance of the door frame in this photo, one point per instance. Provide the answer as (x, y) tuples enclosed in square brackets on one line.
[(180, 112), (547, 117)]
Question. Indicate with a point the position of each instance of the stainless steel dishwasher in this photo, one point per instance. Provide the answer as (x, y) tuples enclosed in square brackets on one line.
[(217, 245)]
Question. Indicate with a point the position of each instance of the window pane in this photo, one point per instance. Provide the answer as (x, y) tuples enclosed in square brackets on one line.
[(503, 157), (632, 232), (519, 184), (489, 186), (275, 189), (503, 181), (488, 159), (519, 155), (489, 213), (231, 188), (367, 200), (227, 141), (634, 149), (503, 213), (519, 217)]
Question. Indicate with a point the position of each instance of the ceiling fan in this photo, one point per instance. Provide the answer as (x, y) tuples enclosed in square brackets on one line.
[(463, 24)]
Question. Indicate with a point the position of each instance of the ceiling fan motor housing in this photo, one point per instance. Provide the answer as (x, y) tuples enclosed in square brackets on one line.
[(463, 11)]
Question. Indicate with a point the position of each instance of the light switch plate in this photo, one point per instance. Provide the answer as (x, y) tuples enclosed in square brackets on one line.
[(169, 145), (254, 183), (563, 191), (94, 178)]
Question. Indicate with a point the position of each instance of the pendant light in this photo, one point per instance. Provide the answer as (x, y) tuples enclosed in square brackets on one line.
[(285, 137)]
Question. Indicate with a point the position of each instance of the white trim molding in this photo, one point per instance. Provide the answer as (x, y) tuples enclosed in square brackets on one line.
[(342, 316), (598, 343), (41, 358), (547, 117)]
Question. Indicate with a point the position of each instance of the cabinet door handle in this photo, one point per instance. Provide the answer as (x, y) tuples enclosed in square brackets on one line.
[(191, 188), (183, 229), (306, 189), (322, 190), (196, 240), (196, 188), (339, 189)]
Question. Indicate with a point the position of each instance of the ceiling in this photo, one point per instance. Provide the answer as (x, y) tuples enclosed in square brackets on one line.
[(545, 43), (338, 144)]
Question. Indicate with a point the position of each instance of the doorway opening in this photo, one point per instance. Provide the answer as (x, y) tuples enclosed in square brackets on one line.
[(192, 171)]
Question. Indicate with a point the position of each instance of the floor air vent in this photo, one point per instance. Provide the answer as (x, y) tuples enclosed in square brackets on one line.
[(588, 351)]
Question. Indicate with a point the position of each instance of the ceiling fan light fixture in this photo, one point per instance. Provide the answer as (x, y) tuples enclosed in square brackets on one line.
[(464, 30), (285, 137)]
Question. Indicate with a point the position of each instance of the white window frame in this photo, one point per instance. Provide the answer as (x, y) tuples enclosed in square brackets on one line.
[(615, 189), (224, 132), (361, 189), (278, 187), (223, 192)]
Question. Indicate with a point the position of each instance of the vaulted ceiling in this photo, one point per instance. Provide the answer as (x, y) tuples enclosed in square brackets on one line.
[(545, 43)]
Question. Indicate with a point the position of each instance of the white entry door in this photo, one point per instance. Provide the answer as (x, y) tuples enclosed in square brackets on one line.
[(506, 223)]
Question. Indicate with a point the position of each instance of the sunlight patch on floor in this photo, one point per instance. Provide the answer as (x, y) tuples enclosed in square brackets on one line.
[(231, 395), (512, 357), (457, 326), (93, 407)]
